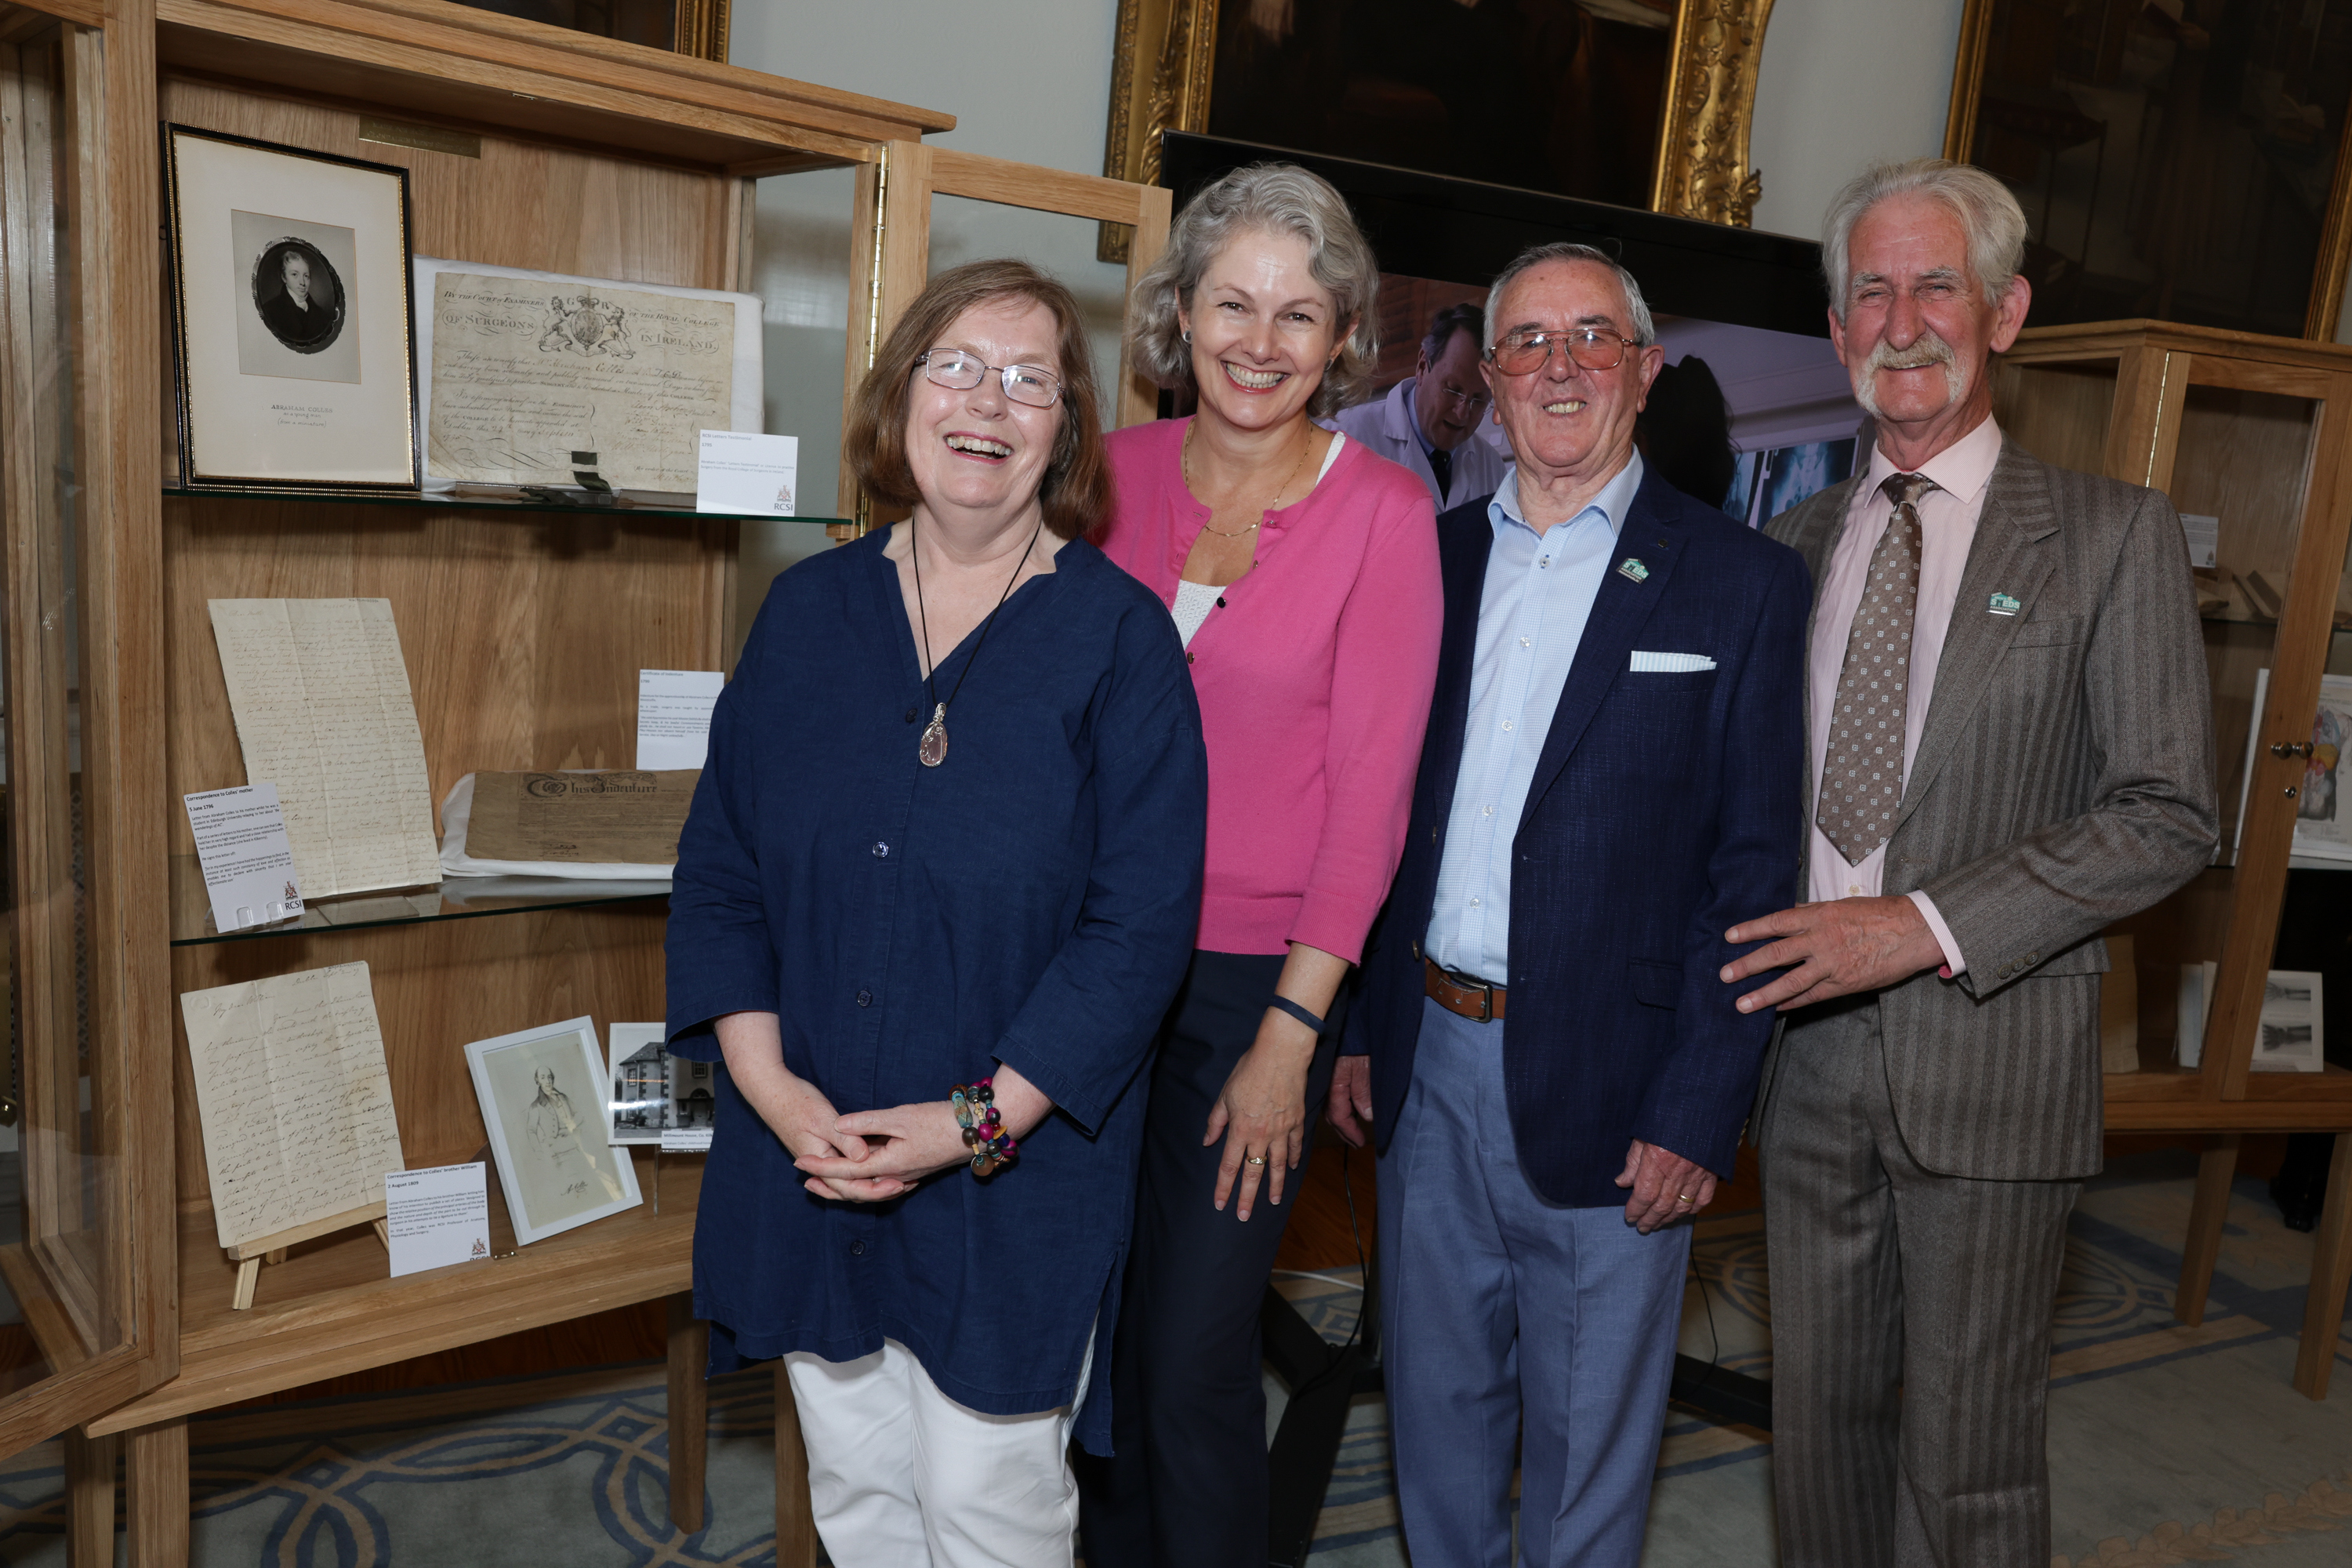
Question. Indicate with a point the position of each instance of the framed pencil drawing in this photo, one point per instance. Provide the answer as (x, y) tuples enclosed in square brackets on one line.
[(293, 345), (544, 1100)]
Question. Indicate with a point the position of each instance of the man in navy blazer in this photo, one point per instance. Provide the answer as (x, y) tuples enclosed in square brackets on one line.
[(1553, 1071)]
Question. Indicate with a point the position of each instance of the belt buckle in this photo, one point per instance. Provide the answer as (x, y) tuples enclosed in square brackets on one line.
[(1486, 994)]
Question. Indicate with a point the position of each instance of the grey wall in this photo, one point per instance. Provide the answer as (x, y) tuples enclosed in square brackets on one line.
[(1025, 78), (1842, 83)]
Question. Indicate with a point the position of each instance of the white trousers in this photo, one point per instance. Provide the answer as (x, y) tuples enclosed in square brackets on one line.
[(900, 1476)]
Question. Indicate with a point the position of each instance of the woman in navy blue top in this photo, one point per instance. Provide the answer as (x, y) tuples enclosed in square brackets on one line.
[(902, 876)]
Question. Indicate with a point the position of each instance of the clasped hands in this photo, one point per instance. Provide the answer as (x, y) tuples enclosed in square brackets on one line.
[(869, 1156)]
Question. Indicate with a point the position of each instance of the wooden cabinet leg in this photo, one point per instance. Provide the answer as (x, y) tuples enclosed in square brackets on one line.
[(2207, 1213), (156, 1495), (795, 1518), (690, 1412), (2331, 1273), (90, 1500)]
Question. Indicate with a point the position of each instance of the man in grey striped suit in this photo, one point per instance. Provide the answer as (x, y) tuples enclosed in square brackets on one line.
[(2010, 749)]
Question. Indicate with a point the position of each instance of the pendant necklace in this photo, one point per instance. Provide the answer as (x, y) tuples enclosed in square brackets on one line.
[(933, 750), (1184, 464)]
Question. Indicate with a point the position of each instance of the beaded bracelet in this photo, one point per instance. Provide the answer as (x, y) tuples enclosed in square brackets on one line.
[(991, 1146)]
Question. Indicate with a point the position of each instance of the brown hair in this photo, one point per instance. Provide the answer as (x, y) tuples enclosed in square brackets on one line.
[(1076, 493)]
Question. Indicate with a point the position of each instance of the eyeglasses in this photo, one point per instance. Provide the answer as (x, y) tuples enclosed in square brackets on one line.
[(1470, 404), (1523, 353), (960, 372)]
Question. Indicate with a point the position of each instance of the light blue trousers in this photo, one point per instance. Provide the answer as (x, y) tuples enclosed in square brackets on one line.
[(1514, 1326)]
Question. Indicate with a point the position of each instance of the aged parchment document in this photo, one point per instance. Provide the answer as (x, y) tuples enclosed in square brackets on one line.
[(323, 711), (294, 1097), (624, 816), (526, 373)]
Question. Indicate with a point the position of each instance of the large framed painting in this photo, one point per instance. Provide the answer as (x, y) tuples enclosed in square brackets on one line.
[(2180, 160), (697, 28), (1638, 103)]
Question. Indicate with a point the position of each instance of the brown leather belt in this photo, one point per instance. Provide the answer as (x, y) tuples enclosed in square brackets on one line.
[(1471, 999)]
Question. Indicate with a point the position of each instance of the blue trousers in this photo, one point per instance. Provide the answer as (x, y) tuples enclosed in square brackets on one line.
[(1514, 1323)]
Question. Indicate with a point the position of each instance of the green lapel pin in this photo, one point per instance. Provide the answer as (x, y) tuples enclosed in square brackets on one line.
[(2004, 604), (1632, 567)]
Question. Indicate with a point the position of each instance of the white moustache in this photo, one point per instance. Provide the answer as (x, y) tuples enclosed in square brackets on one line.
[(1927, 349)]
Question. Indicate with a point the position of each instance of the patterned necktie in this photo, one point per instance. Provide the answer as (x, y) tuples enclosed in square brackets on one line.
[(1441, 463), (1862, 776)]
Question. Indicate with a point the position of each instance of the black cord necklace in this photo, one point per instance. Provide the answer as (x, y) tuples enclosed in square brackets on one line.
[(933, 750)]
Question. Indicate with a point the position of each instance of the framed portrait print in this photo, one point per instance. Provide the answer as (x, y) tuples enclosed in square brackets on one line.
[(544, 1101), (294, 354)]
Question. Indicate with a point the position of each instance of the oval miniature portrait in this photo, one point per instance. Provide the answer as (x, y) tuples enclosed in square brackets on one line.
[(299, 295)]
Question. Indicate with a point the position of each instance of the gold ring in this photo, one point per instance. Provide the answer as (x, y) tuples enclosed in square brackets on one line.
[(1257, 1159), (1682, 1198)]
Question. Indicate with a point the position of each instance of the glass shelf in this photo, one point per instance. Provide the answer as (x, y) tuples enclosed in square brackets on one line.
[(444, 501), (459, 898)]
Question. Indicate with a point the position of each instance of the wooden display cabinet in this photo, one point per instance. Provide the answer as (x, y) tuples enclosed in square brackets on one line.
[(2258, 432), (522, 627)]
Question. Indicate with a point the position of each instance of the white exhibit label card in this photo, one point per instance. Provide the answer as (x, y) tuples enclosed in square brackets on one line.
[(248, 860), (674, 717), (436, 1216), (2204, 536), (746, 473), (685, 1139)]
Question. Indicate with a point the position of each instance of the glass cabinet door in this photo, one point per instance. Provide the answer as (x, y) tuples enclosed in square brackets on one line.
[(85, 1191), (2247, 440)]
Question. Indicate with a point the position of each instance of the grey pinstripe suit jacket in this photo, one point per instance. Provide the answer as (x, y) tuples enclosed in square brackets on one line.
[(2063, 780)]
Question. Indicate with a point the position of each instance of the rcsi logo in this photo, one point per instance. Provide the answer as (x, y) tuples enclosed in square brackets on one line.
[(481, 1247)]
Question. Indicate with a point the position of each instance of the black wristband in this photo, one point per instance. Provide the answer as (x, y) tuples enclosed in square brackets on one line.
[(1285, 1004)]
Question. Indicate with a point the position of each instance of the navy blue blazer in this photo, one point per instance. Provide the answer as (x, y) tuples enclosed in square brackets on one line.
[(1664, 809)]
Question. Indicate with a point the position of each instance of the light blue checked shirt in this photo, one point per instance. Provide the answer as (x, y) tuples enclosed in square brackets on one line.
[(1538, 595)]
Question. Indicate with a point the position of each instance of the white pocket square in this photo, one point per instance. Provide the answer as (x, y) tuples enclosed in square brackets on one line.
[(1669, 663)]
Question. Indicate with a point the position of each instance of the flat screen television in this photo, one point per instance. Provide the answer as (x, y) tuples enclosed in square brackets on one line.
[(1750, 305)]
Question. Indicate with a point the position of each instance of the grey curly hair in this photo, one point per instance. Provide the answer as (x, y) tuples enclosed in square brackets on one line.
[(1279, 198)]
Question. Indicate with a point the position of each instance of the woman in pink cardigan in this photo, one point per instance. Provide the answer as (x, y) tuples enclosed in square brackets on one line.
[(1301, 571)]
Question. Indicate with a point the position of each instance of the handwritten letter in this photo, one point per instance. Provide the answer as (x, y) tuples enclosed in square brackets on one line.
[(323, 710), (294, 1097), (526, 373)]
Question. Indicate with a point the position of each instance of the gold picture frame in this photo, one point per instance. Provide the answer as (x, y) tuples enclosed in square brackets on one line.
[(697, 27), (2334, 260), (1164, 59)]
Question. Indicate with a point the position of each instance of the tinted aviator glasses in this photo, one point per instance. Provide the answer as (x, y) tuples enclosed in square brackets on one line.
[(1523, 353), (960, 372)]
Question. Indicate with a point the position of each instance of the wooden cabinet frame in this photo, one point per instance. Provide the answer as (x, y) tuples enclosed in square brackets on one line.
[(2232, 909), (892, 248), (519, 628)]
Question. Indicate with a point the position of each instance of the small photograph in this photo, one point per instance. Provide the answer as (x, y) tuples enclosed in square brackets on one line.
[(541, 1093), (692, 1107), (641, 1070), (2290, 1038), (294, 279)]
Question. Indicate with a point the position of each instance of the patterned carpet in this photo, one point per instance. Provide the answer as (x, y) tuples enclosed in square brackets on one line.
[(2168, 1445)]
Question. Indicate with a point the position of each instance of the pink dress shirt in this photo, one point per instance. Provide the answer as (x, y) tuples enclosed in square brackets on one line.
[(1947, 526), (1314, 674)]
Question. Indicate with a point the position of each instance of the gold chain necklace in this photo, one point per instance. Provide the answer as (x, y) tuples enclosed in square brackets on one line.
[(1184, 463)]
